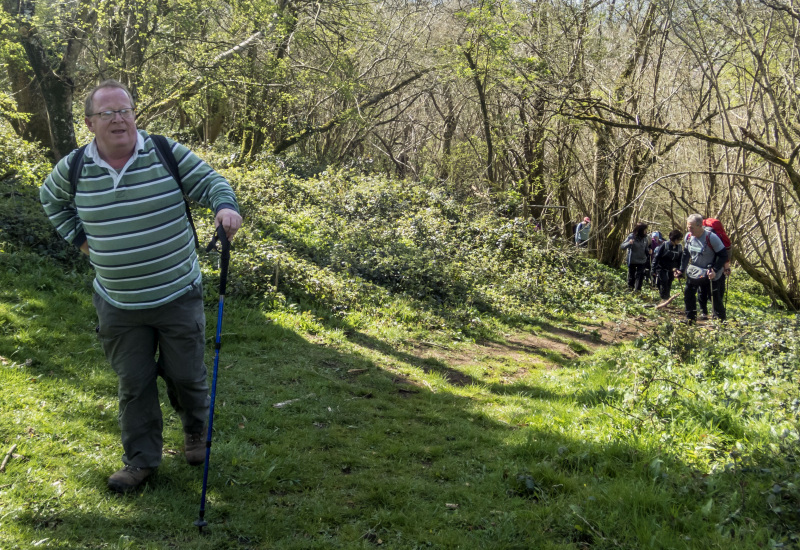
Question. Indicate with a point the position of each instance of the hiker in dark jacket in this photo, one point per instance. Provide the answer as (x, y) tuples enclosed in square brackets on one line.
[(638, 246), (666, 259)]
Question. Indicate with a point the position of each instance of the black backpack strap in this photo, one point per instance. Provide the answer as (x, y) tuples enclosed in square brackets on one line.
[(75, 170), (167, 158)]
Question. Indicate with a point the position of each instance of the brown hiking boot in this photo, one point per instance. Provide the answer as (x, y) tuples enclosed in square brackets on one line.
[(194, 448), (128, 478)]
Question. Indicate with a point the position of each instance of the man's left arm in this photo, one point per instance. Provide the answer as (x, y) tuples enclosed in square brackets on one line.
[(203, 184), (721, 257)]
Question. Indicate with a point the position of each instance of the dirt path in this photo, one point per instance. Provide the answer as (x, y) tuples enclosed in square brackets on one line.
[(509, 358), (551, 347)]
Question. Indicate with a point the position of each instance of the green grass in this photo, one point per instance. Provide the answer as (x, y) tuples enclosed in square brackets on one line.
[(409, 420)]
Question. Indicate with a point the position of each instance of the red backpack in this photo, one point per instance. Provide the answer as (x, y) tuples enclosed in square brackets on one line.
[(719, 231)]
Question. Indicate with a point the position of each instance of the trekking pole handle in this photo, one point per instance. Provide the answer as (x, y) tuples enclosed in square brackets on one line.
[(225, 256)]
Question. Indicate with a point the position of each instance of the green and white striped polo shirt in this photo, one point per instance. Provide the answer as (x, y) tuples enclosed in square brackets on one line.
[(140, 241)]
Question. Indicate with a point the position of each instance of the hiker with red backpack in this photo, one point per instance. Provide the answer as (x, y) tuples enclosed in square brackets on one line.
[(703, 262), (714, 225)]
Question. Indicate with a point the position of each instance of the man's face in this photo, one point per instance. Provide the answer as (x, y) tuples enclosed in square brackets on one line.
[(694, 229), (115, 138)]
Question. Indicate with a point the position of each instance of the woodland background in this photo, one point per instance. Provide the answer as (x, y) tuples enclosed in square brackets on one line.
[(415, 355), (623, 111)]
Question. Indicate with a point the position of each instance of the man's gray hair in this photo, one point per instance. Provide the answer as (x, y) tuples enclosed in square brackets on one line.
[(695, 219), (88, 107)]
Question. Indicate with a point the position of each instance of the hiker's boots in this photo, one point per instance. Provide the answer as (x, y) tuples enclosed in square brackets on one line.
[(128, 479), (194, 448)]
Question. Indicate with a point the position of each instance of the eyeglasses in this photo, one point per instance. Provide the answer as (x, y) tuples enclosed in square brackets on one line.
[(127, 114)]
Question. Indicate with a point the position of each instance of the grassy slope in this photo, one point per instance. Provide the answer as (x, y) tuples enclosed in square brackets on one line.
[(439, 419)]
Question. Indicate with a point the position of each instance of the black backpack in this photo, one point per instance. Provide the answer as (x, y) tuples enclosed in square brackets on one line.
[(165, 156), (663, 251)]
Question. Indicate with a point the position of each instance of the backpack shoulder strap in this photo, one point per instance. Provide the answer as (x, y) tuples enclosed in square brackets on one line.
[(164, 154), (708, 242), (75, 169), (167, 159)]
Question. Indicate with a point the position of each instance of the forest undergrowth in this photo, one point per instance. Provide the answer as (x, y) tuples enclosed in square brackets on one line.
[(403, 367)]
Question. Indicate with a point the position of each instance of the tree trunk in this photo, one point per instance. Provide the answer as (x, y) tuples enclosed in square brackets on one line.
[(56, 90), (450, 126), (54, 85), (600, 205), (533, 189), (480, 86), (772, 284), (29, 100)]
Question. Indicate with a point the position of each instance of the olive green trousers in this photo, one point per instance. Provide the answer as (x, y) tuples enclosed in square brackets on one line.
[(142, 344)]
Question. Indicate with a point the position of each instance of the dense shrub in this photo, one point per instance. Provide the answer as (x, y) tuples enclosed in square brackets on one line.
[(344, 241)]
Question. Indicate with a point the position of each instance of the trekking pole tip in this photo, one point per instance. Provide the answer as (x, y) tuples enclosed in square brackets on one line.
[(200, 524)]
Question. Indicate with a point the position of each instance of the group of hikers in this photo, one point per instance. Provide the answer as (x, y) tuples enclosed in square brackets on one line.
[(701, 256)]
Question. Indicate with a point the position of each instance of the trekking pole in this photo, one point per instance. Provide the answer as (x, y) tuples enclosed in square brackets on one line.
[(711, 297), (224, 260)]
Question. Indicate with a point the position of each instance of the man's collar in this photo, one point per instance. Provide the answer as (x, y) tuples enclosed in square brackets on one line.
[(91, 149)]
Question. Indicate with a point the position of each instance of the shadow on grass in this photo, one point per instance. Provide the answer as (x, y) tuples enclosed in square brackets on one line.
[(427, 365)]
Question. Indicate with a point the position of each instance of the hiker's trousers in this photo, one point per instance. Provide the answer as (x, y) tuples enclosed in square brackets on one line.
[(664, 278), (704, 295), (636, 274), (716, 289), (131, 340)]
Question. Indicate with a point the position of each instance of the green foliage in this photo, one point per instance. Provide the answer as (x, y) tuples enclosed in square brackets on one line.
[(724, 401), (346, 242), (26, 227), (19, 159)]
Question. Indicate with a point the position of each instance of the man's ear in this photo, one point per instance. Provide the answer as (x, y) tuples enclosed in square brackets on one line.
[(88, 122)]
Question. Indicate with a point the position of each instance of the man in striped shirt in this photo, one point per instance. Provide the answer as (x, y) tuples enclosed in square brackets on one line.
[(127, 214)]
